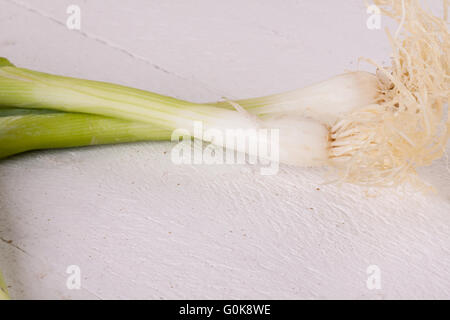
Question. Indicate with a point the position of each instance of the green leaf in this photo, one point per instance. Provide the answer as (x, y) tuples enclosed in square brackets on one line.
[(5, 63)]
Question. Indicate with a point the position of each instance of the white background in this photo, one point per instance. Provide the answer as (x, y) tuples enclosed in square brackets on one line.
[(139, 226)]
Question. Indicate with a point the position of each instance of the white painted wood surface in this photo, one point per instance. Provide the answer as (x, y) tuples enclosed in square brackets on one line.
[(141, 227)]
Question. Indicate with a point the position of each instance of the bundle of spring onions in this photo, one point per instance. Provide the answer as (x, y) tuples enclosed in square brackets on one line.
[(375, 129)]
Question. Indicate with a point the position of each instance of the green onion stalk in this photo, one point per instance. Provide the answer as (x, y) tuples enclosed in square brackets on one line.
[(24, 130)]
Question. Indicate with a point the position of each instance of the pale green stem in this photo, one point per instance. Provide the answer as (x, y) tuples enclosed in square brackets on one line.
[(30, 89), (24, 130)]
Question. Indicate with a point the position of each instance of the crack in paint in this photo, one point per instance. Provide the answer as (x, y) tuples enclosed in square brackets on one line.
[(10, 242), (114, 46)]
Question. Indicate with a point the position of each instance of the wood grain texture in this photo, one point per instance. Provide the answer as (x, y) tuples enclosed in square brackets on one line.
[(141, 227)]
